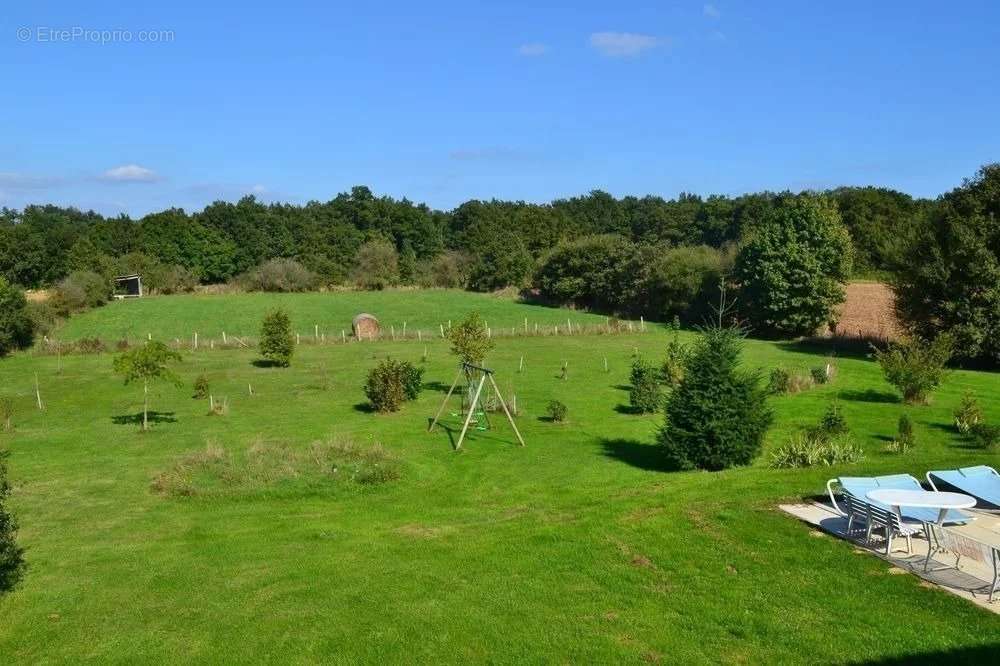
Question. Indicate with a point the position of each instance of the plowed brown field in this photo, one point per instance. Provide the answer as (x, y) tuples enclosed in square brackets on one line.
[(868, 312)]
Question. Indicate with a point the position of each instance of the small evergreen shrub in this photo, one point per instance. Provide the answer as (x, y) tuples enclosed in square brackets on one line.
[(12, 564), (915, 367), (779, 381), (201, 387), (718, 415), (646, 394), (277, 344), (905, 437), (391, 383), (818, 375), (672, 371), (831, 424), (6, 412), (985, 436), (556, 411), (807, 450), (968, 414)]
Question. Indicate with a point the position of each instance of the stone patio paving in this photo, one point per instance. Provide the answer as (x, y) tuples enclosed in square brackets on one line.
[(970, 581)]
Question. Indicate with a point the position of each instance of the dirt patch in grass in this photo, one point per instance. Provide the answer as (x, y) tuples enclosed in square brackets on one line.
[(868, 312), (265, 464), (424, 531)]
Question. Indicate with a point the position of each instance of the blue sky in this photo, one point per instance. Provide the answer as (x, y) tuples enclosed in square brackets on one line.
[(447, 101)]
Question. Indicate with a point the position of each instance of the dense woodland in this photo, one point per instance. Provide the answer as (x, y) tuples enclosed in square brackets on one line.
[(787, 254), (40, 245)]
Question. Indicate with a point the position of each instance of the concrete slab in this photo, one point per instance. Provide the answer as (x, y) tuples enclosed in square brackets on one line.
[(971, 580)]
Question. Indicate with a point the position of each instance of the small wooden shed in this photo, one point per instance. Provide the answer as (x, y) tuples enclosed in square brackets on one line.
[(128, 286), (365, 326)]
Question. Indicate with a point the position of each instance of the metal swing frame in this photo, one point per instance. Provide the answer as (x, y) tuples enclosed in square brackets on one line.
[(466, 370)]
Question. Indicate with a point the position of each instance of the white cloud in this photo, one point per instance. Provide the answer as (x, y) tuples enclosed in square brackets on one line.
[(532, 50), (711, 11), (622, 44), (130, 173)]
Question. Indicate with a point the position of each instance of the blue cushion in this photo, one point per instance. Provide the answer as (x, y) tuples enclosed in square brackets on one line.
[(980, 482), (860, 485)]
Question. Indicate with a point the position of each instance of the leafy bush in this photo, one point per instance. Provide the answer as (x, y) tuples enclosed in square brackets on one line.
[(278, 275), (412, 380), (277, 344), (683, 281), (556, 411), (915, 367), (469, 339), (791, 266), (947, 280), (672, 371), (450, 269), (43, 316), (806, 450), (170, 279), (391, 383), (201, 387), (645, 394), (778, 381), (718, 415), (79, 291), (377, 265), (818, 375), (968, 414), (586, 272), (501, 258), (985, 436), (12, 564), (831, 424), (17, 330)]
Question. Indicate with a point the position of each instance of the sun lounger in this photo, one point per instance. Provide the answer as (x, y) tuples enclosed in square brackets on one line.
[(981, 482), (858, 487)]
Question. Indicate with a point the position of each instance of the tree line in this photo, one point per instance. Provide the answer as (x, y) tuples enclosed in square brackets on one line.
[(785, 255), (42, 244)]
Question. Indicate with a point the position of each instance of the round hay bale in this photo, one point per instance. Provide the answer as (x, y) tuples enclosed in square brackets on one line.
[(365, 326)]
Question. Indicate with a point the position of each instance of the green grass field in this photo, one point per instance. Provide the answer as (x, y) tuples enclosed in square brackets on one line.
[(578, 548), (169, 317)]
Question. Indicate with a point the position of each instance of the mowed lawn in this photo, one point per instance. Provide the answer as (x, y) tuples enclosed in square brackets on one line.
[(209, 315), (578, 548)]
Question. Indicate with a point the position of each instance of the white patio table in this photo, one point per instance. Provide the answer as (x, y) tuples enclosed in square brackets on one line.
[(923, 499)]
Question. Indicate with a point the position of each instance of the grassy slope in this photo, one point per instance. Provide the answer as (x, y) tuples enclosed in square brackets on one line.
[(170, 317), (577, 548)]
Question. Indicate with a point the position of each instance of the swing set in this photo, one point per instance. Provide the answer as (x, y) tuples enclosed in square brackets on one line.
[(472, 401)]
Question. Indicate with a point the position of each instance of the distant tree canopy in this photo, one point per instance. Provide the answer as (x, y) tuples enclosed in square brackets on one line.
[(504, 240), (791, 266), (950, 279)]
